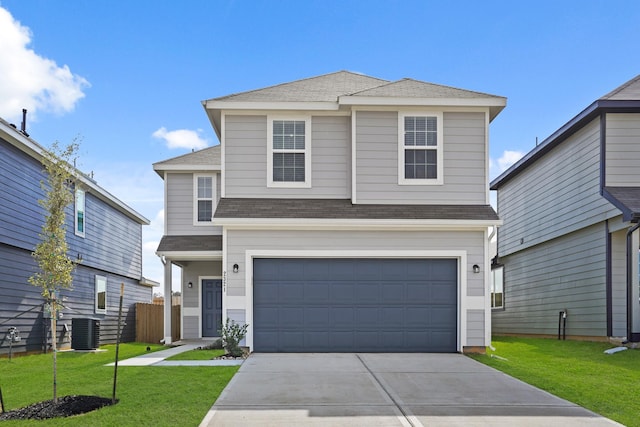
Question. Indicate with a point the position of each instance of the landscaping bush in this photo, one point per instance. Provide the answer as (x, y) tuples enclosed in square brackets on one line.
[(231, 334)]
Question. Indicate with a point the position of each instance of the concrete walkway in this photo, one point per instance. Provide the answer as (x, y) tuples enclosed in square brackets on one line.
[(157, 358), (386, 390)]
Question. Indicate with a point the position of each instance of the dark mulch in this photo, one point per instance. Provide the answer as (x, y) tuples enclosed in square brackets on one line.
[(66, 407)]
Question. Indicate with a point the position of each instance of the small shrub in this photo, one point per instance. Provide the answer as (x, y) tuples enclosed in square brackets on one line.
[(216, 345), (231, 334)]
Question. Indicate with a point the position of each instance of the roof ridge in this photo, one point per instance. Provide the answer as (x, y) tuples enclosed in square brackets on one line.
[(389, 83), (620, 88)]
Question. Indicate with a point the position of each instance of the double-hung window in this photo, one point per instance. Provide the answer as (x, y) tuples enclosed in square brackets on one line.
[(420, 148), (79, 212), (289, 156), (204, 194)]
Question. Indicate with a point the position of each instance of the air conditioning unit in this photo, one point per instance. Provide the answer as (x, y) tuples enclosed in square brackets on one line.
[(85, 334)]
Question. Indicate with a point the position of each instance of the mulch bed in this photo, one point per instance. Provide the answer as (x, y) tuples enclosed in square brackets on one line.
[(66, 407)]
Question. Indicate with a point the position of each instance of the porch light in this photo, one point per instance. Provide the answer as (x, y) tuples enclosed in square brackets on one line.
[(235, 268), (476, 268), (190, 284)]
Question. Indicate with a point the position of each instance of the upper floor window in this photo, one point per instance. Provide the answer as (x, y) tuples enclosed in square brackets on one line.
[(204, 186), (420, 148), (289, 155), (79, 212)]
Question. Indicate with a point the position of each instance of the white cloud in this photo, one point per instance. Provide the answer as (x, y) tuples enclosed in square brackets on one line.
[(181, 138), (29, 80), (503, 163)]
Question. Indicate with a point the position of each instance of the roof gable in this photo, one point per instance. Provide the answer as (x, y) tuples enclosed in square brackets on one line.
[(410, 88), (205, 159), (624, 99)]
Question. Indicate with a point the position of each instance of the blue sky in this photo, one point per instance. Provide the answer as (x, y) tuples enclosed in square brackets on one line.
[(128, 77)]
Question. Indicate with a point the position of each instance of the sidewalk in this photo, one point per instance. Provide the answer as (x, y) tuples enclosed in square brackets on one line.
[(157, 358)]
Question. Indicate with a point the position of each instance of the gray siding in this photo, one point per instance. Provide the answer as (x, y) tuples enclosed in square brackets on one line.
[(475, 328), (623, 150), (112, 247), (180, 205), (464, 157), (112, 242), (561, 194), (246, 158), (21, 304), (565, 273)]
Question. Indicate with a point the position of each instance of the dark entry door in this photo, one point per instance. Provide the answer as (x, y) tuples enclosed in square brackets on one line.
[(211, 307)]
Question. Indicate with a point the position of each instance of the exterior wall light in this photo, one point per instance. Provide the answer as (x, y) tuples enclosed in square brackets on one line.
[(190, 284), (235, 268), (476, 268)]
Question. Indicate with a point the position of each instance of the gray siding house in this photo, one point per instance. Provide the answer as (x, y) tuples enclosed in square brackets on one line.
[(570, 237), (102, 231), (339, 213)]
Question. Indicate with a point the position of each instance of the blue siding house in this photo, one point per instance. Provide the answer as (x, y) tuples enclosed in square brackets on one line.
[(103, 233)]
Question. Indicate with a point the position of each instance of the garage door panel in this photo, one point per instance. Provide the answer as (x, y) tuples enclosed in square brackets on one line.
[(316, 292), (341, 291), (316, 318), (290, 292), (349, 305)]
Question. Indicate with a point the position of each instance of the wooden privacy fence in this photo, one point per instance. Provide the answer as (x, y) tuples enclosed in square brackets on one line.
[(150, 322)]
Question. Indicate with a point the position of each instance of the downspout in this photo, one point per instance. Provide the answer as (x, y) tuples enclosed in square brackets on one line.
[(630, 302)]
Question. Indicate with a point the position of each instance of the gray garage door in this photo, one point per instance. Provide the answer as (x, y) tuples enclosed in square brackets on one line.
[(347, 305)]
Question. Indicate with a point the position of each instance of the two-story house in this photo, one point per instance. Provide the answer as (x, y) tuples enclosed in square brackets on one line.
[(568, 250), (339, 213), (103, 234)]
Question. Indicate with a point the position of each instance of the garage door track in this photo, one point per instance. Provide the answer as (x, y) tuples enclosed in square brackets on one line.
[(368, 389)]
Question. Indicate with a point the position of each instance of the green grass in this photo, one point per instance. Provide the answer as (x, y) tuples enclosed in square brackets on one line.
[(149, 395), (202, 354), (579, 372)]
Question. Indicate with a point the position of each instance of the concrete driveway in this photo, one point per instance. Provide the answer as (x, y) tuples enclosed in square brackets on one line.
[(385, 390)]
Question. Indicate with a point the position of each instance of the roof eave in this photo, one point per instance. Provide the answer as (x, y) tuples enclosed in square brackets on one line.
[(35, 150), (577, 122), (352, 223)]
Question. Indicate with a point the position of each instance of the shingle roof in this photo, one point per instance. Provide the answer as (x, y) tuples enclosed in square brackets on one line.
[(627, 199), (410, 88), (630, 91), (190, 243), (206, 156), (344, 209), (324, 88)]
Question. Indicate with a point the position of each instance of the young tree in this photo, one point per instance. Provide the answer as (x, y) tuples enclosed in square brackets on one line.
[(55, 267)]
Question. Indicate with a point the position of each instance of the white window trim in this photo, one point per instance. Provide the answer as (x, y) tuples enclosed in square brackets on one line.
[(95, 291), (84, 212), (492, 292), (439, 149), (307, 152), (195, 198)]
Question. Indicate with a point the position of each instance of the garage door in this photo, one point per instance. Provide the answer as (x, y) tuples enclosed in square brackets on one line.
[(348, 305)]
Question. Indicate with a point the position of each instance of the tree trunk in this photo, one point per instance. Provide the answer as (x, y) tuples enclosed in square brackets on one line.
[(54, 339)]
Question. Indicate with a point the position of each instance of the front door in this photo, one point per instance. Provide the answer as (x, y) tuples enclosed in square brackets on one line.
[(211, 307)]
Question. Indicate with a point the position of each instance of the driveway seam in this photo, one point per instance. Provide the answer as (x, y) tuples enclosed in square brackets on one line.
[(409, 418)]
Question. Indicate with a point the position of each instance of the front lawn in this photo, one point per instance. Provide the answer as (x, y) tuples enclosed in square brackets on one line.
[(198, 354), (149, 395), (577, 371)]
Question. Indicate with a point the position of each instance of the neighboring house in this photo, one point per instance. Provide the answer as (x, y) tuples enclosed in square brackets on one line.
[(102, 232), (570, 237), (350, 213)]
